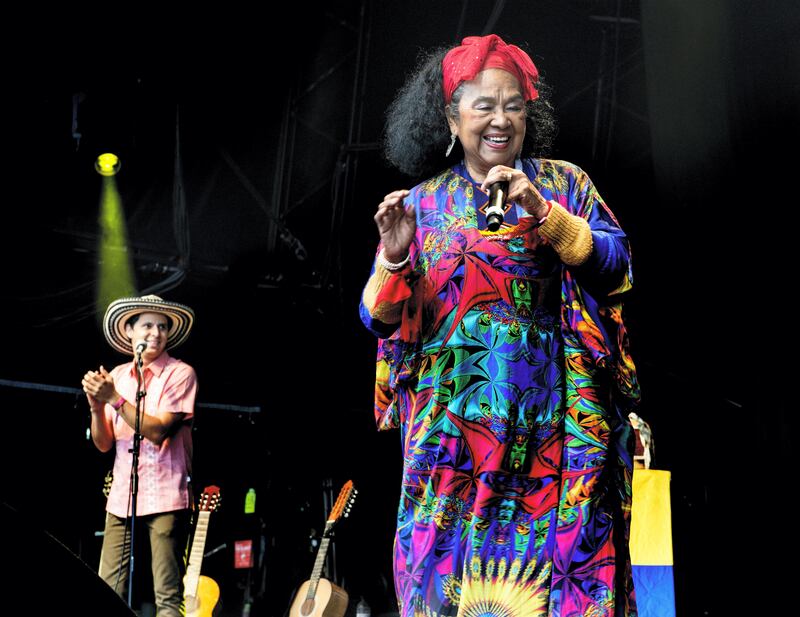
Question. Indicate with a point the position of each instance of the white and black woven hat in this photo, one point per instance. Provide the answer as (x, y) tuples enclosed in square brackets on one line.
[(120, 311)]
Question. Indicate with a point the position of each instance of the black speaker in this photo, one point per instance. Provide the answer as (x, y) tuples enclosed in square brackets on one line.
[(42, 576)]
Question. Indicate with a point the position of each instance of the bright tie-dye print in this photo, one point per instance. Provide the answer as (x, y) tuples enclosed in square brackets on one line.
[(510, 380)]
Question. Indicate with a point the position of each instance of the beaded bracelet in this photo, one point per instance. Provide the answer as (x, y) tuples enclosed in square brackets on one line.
[(392, 267)]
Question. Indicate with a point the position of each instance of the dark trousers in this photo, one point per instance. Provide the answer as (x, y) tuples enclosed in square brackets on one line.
[(169, 534)]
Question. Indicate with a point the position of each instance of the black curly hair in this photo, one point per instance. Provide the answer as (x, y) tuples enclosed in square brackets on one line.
[(416, 134)]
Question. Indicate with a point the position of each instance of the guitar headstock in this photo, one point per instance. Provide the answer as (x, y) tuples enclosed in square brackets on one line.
[(209, 500), (343, 503)]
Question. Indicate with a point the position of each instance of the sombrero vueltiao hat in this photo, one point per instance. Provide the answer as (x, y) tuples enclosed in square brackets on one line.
[(120, 311)]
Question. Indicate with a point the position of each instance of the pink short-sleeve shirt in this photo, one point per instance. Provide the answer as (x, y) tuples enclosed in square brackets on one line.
[(165, 470)]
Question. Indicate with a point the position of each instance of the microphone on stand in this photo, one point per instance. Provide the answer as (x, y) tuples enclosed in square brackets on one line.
[(139, 351), (498, 193), (140, 391)]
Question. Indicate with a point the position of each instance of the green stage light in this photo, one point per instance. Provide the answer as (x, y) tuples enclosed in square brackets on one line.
[(115, 276), (107, 164)]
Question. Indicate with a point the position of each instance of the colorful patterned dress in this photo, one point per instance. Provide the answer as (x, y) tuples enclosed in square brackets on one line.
[(510, 381)]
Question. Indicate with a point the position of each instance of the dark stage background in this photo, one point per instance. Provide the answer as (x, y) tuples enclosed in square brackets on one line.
[(684, 115)]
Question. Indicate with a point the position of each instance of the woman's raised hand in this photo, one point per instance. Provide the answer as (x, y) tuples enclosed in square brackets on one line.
[(396, 225)]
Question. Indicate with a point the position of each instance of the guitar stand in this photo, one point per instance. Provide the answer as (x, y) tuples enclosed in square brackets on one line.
[(247, 602)]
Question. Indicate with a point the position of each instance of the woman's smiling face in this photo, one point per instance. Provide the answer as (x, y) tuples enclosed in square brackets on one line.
[(491, 121)]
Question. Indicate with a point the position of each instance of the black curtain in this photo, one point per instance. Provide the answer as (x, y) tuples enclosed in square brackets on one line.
[(723, 97)]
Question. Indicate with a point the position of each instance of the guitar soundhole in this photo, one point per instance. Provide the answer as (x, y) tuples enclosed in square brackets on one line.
[(307, 608)]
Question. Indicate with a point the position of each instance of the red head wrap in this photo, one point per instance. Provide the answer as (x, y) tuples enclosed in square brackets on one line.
[(477, 53)]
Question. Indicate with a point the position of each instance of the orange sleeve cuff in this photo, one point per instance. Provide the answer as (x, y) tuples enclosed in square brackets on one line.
[(385, 294), (570, 235)]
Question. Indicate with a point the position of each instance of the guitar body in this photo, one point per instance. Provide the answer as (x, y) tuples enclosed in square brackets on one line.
[(329, 601), (205, 602)]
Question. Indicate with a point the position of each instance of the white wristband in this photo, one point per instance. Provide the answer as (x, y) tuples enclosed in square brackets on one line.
[(392, 267)]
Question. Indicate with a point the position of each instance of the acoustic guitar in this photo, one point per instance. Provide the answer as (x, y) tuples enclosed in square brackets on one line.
[(201, 593), (318, 597)]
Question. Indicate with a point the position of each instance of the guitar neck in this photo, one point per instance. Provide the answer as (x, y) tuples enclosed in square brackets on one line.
[(196, 554), (319, 564)]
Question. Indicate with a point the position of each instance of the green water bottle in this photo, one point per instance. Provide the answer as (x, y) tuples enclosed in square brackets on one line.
[(250, 501)]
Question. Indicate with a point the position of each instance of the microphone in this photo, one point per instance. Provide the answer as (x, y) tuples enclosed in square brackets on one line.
[(498, 193), (140, 348)]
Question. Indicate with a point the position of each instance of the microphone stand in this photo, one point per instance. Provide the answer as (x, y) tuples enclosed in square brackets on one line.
[(137, 438)]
